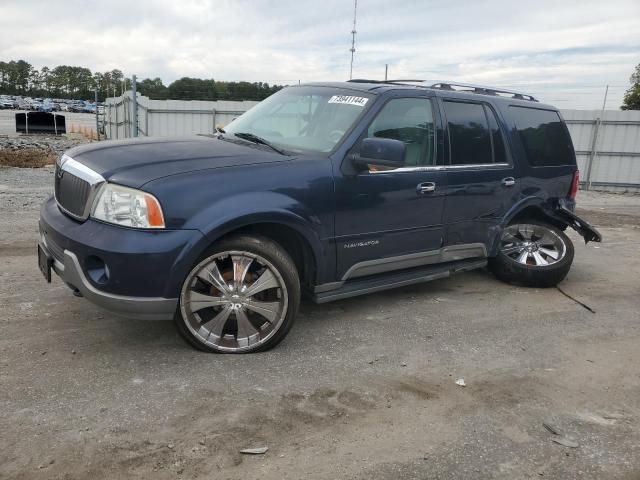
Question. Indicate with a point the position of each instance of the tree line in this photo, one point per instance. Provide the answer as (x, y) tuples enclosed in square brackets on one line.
[(64, 81), (632, 96)]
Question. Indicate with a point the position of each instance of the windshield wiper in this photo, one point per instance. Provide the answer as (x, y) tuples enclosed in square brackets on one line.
[(256, 139)]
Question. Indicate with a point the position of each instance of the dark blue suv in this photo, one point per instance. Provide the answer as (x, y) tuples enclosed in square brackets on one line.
[(329, 190)]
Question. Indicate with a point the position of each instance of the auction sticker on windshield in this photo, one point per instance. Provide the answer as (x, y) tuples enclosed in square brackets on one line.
[(349, 100)]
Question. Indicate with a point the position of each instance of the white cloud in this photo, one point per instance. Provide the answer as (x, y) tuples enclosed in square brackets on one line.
[(564, 51)]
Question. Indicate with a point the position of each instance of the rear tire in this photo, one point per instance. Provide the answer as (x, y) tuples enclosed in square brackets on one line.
[(533, 254), (241, 297)]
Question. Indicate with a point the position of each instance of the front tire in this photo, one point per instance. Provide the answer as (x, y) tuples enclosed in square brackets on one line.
[(533, 254), (242, 297)]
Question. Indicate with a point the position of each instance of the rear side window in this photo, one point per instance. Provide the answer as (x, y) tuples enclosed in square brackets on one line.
[(474, 135), (545, 138)]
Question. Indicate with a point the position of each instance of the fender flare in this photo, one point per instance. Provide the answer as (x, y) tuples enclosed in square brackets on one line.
[(226, 225), (557, 214), (303, 227)]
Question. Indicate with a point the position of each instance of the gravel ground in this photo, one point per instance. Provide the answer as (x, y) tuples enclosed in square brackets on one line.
[(56, 144), (361, 389)]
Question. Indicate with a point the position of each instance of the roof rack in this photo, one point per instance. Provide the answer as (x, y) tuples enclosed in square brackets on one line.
[(483, 90), (364, 80), (457, 87)]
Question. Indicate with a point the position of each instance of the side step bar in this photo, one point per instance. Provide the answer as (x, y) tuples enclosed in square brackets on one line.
[(381, 282)]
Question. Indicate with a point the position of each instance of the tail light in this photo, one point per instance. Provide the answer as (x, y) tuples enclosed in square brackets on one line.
[(573, 191)]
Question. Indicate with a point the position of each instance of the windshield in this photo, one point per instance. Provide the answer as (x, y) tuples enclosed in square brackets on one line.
[(303, 119)]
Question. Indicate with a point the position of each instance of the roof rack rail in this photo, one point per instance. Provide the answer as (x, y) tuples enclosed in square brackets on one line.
[(483, 90), (364, 80), (455, 87)]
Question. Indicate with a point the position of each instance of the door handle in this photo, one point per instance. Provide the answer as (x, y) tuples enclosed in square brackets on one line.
[(508, 182), (426, 187)]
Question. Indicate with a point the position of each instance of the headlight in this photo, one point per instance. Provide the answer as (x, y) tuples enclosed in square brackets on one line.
[(127, 207)]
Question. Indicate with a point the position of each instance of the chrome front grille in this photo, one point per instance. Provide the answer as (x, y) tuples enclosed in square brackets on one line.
[(75, 187), (72, 192)]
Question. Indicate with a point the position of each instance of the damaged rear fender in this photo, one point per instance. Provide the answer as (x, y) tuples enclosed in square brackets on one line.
[(559, 215), (566, 216)]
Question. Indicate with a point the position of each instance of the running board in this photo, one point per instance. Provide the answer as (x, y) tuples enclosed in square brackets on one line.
[(381, 282)]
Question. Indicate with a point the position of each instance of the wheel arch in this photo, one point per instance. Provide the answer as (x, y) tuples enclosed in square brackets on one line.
[(295, 243), (534, 208), (292, 232)]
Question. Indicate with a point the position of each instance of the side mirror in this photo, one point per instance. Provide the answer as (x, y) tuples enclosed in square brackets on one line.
[(384, 152)]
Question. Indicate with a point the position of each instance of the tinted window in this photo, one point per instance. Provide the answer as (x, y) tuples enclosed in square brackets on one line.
[(544, 137), (469, 136), (409, 120)]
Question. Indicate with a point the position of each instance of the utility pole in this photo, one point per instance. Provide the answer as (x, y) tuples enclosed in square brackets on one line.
[(353, 37), (386, 70), (593, 155), (606, 92), (97, 122), (134, 108)]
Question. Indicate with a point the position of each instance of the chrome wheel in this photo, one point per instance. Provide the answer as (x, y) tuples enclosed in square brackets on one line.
[(234, 301), (532, 245)]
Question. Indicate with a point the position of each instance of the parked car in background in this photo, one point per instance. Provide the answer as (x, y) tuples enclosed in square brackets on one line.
[(329, 190), (6, 103), (89, 108), (46, 106), (77, 107)]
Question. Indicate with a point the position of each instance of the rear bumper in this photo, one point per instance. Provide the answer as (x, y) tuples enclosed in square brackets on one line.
[(565, 215), (132, 273)]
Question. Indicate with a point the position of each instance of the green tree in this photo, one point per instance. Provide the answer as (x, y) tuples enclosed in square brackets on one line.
[(17, 77), (66, 81), (45, 81), (187, 88), (632, 97), (153, 89)]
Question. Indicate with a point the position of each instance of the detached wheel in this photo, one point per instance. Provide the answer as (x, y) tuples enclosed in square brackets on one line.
[(243, 297), (533, 254)]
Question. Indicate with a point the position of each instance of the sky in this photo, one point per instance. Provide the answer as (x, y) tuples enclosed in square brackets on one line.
[(563, 51)]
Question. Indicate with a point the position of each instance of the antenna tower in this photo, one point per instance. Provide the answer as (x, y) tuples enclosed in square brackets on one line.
[(353, 37)]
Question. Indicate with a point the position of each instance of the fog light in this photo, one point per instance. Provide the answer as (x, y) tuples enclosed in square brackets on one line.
[(97, 270)]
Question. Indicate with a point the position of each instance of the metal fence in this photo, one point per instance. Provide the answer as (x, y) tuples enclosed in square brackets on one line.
[(165, 118), (607, 143)]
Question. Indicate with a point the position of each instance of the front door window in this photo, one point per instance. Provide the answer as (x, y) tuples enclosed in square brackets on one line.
[(409, 120)]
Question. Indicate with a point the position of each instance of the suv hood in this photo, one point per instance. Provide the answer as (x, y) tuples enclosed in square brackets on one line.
[(134, 162)]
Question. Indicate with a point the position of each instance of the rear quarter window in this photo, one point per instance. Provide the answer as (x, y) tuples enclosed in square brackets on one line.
[(544, 137)]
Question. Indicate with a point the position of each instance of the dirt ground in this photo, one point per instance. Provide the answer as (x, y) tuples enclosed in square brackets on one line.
[(31, 158), (361, 389), (36, 151)]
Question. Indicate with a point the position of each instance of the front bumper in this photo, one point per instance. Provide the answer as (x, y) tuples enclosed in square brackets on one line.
[(132, 273), (145, 308)]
